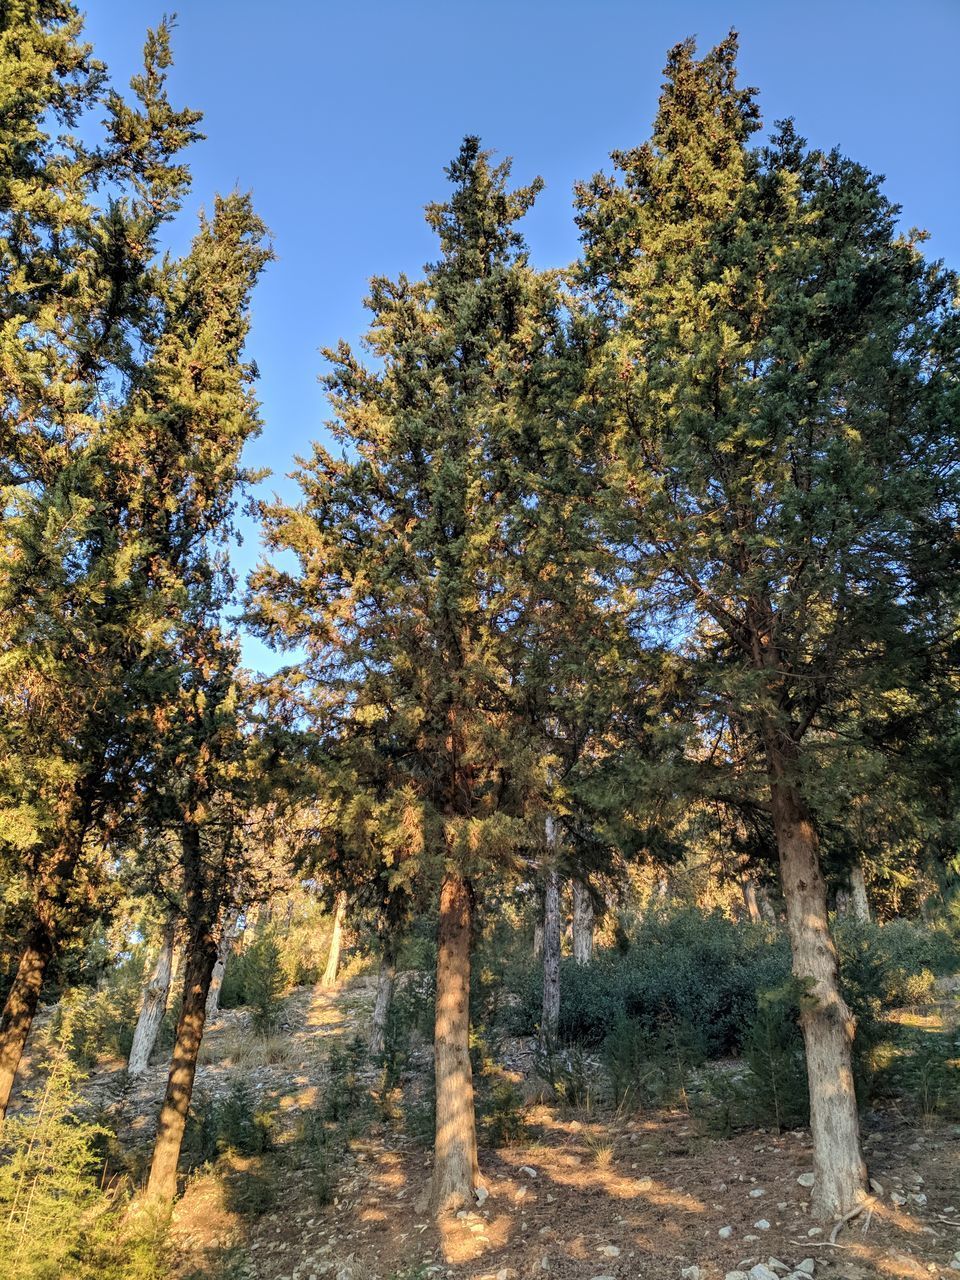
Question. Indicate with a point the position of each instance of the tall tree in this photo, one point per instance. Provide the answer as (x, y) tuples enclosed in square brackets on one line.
[(78, 278), (781, 391), (407, 593)]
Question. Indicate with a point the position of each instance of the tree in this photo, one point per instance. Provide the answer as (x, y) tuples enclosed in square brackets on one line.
[(79, 274), (780, 385), (407, 597)]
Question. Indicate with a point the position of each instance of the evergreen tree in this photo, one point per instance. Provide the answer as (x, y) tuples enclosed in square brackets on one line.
[(780, 388), (78, 279), (408, 598)]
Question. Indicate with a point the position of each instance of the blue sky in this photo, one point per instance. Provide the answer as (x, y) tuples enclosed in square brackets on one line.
[(340, 117)]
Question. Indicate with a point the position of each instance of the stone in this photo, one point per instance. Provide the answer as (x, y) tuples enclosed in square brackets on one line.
[(776, 1265), (736, 1275), (761, 1225), (725, 1233), (531, 1173), (610, 1251), (898, 1198), (756, 1193), (807, 1266), (806, 1180), (762, 1272), (691, 1273), (876, 1187), (482, 1194), (508, 1273)]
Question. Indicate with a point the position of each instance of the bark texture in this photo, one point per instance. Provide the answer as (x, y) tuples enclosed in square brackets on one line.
[(231, 932), (336, 942), (582, 923), (456, 1171), (826, 1021), (385, 985), (749, 891), (162, 1182), (550, 1017), (21, 1007), (859, 902), (154, 1004)]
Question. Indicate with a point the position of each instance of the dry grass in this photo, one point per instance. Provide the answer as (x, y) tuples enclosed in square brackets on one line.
[(245, 1050)]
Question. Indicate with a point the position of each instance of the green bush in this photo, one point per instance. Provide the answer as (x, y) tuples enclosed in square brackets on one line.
[(236, 1123), (681, 967), (97, 1022), (254, 978)]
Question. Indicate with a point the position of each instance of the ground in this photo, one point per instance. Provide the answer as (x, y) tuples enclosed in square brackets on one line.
[(592, 1195)]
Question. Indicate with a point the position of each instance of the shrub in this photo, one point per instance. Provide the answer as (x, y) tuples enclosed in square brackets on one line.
[(95, 1022), (236, 1123), (254, 978)]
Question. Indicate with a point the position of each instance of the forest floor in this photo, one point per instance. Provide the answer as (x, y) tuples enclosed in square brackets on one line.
[(590, 1195)]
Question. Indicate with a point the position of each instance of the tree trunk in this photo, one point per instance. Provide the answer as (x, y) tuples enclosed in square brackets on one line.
[(767, 909), (582, 923), (828, 1025), (162, 1183), (456, 1171), (21, 1006), (154, 1004), (859, 902), (336, 941), (385, 985), (749, 891), (550, 1019), (224, 951)]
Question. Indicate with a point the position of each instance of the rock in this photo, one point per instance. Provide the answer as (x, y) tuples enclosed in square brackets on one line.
[(807, 1266), (815, 1231), (531, 1173), (508, 1273), (762, 1272), (761, 1225), (725, 1233), (806, 1180), (482, 1194), (756, 1193), (610, 1251), (776, 1265), (898, 1198), (736, 1275), (876, 1187), (691, 1273)]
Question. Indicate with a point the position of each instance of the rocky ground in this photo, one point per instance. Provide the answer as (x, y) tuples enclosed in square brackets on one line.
[(591, 1197)]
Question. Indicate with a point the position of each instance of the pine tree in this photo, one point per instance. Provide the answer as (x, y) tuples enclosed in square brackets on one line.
[(407, 595), (780, 385), (78, 273)]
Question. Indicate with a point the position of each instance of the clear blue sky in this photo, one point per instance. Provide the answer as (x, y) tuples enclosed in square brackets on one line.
[(340, 117)]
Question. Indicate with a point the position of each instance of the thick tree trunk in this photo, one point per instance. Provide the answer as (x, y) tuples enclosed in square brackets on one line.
[(224, 951), (749, 891), (859, 901), (828, 1025), (21, 1006), (336, 941), (582, 923), (385, 984), (154, 1004), (162, 1182), (456, 1171), (550, 1018)]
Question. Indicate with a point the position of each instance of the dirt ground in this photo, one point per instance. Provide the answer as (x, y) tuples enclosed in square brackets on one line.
[(591, 1196)]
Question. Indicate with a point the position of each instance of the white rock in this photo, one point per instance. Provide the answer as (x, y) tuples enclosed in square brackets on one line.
[(531, 1173), (610, 1251), (761, 1272), (776, 1265), (807, 1266), (725, 1233), (876, 1187), (761, 1225), (815, 1231), (691, 1273), (481, 1193), (756, 1193), (736, 1275), (898, 1198), (806, 1180)]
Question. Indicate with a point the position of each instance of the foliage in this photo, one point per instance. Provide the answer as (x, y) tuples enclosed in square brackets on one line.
[(55, 1218), (235, 1122), (255, 977)]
